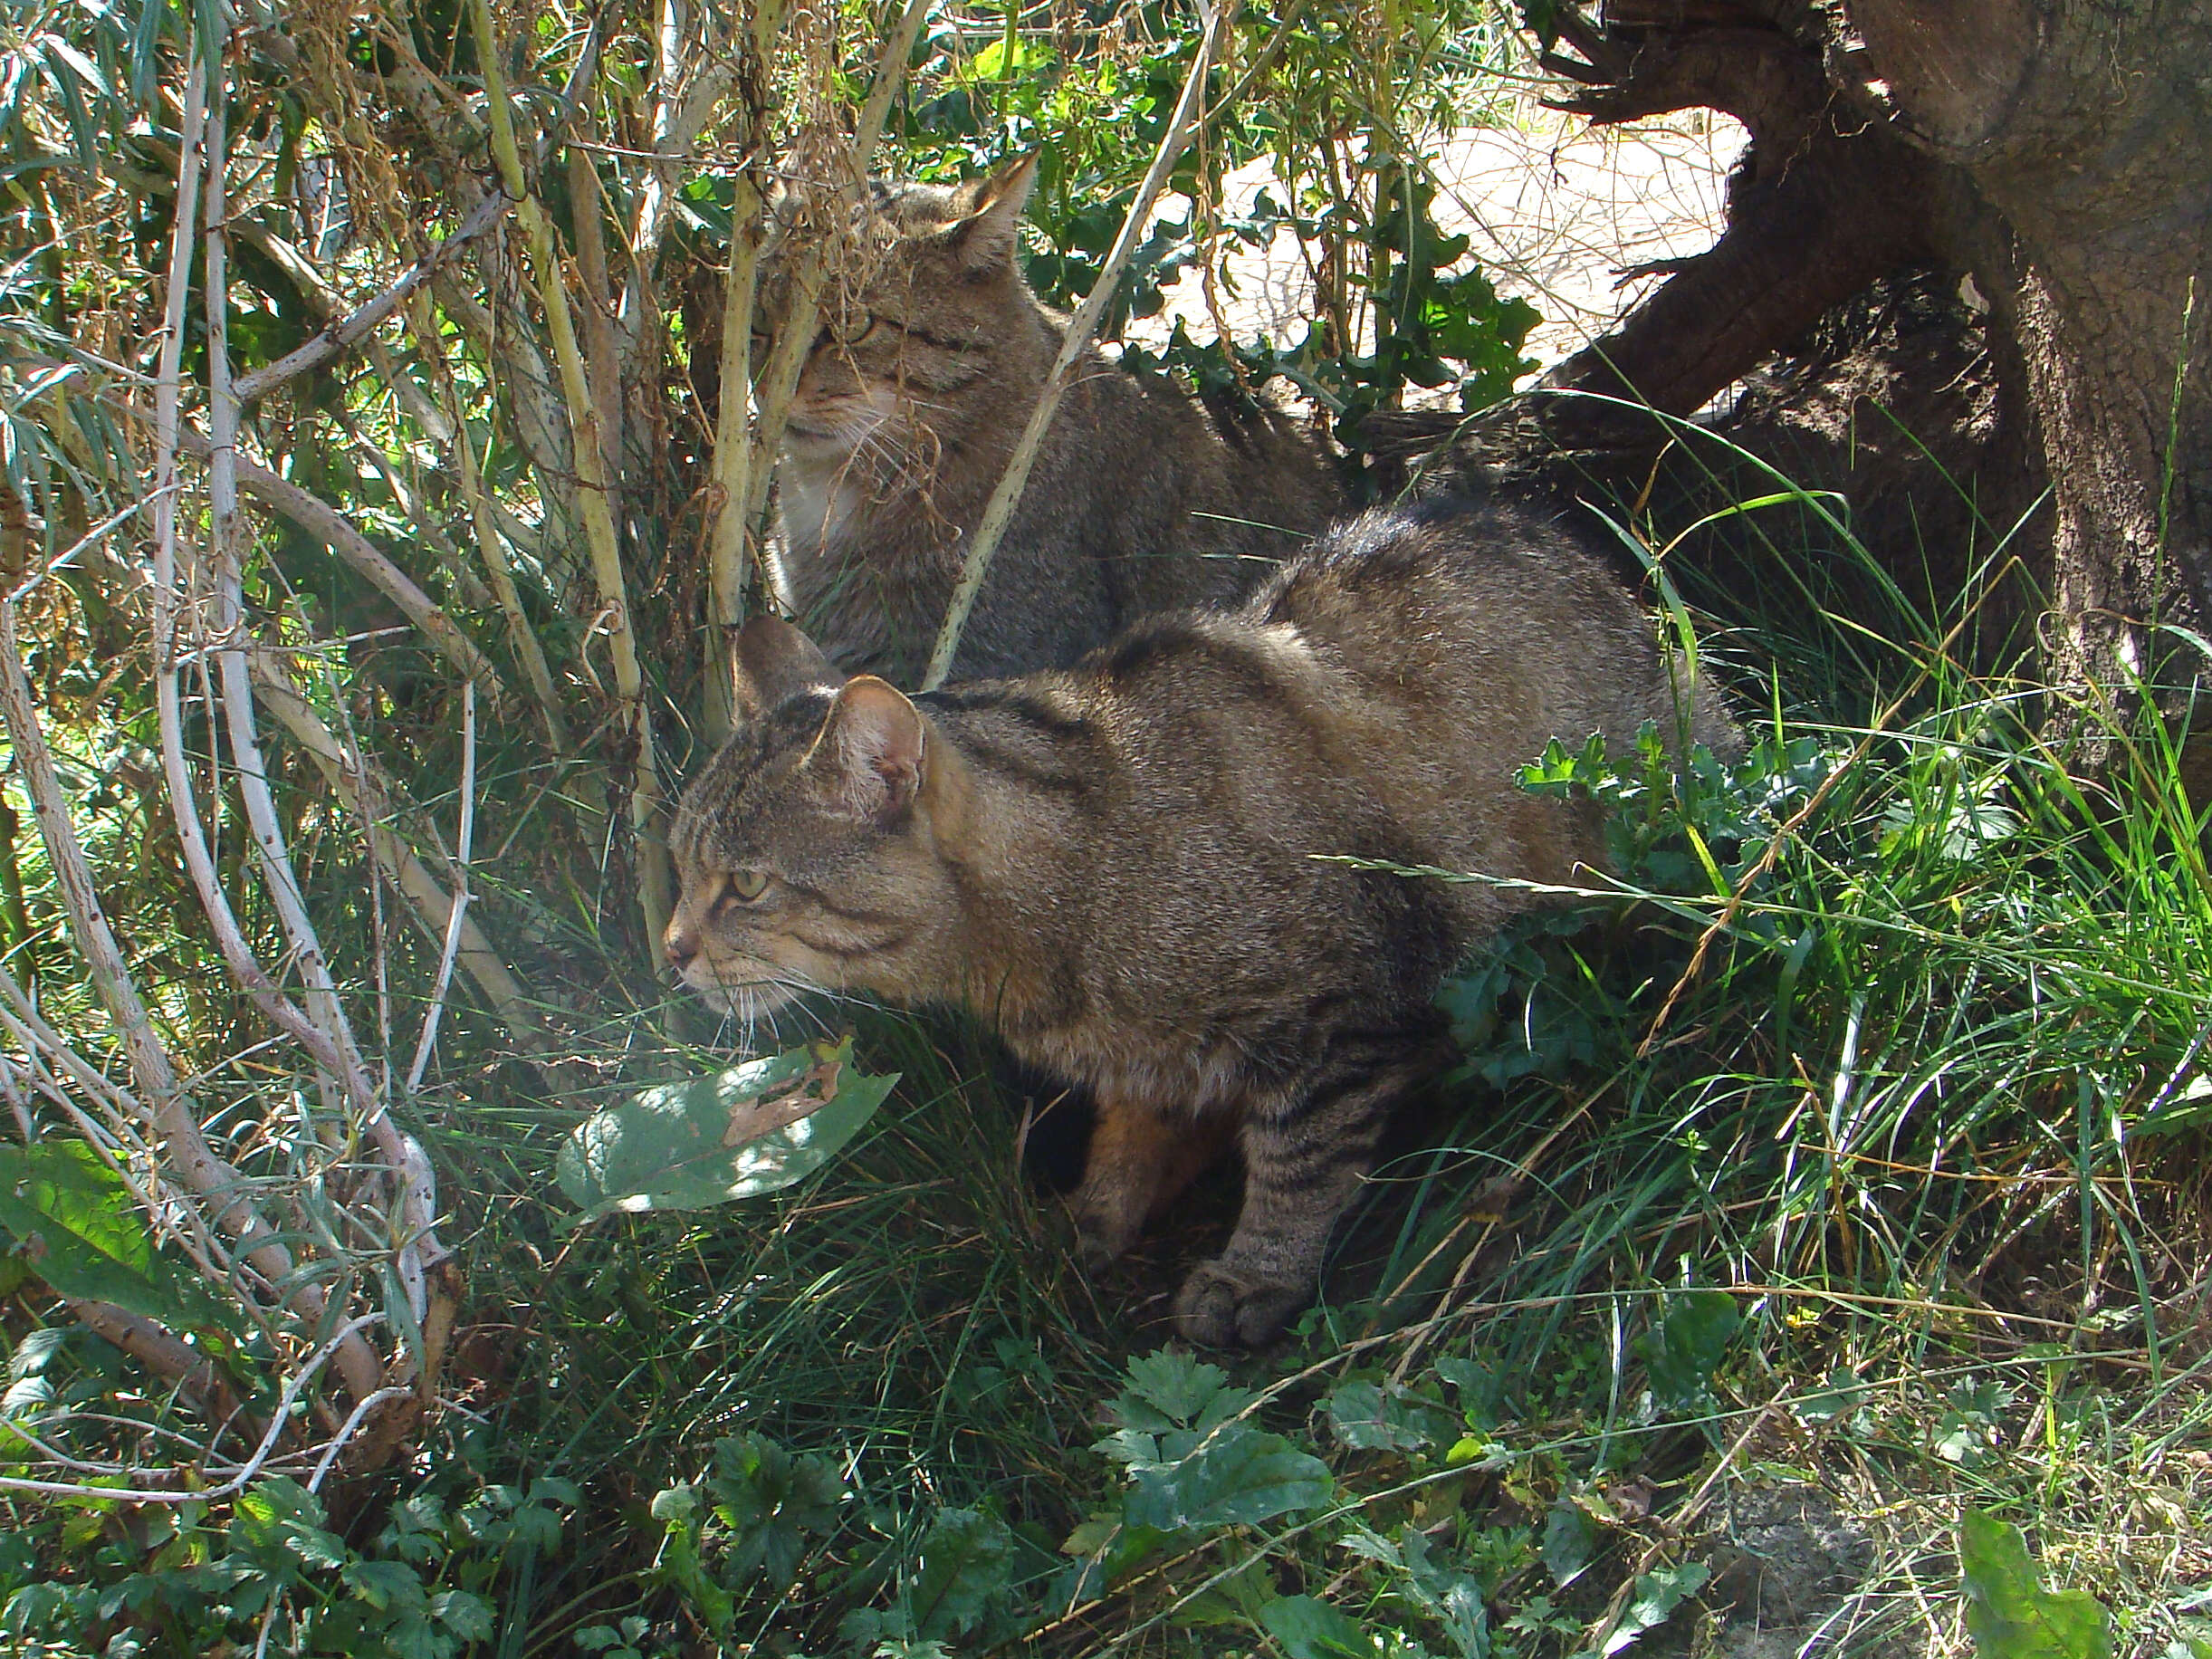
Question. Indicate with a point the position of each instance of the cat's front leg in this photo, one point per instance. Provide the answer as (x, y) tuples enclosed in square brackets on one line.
[(1306, 1150), (1139, 1162)]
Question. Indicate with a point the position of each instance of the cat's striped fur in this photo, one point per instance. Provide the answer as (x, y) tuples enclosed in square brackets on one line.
[(1126, 865), (931, 353)]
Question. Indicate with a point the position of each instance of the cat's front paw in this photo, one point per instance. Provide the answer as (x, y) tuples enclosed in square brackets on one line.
[(1223, 1309), (1105, 1229)]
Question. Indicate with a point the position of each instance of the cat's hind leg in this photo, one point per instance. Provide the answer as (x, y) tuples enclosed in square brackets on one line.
[(1139, 1162), (1305, 1149)]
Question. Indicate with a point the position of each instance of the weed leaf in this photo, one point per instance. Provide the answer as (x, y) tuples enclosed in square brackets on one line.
[(1682, 1354), (1570, 1537), (2008, 1611), (1368, 1419), (1658, 1593), (77, 1226), (1311, 1629), (1240, 1476), (771, 1502), (1173, 1385), (739, 1134), (967, 1563)]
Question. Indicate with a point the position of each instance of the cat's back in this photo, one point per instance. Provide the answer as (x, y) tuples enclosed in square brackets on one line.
[(1459, 638), (1191, 500)]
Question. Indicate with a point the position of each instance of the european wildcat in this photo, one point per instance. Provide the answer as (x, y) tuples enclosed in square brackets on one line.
[(1123, 865), (1141, 498)]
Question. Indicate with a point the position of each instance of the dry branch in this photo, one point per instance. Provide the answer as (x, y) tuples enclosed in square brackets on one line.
[(350, 330), (656, 885), (329, 526), (184, 1145)]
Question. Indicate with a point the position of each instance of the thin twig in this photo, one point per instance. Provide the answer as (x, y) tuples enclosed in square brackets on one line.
[(346, 1334), (456, 913), (349, 331), (360, 788), (999, 512)]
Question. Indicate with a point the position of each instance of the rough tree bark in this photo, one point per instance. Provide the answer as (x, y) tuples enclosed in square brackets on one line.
[(2057, 151)]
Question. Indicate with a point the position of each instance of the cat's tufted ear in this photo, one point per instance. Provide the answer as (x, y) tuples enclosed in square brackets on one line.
[(775, 660), (990, 229), (869, 752)]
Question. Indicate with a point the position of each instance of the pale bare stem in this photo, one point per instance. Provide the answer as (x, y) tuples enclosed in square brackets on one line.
[(162, 1352), (731, 548), (417, 1209), (10, 1090), (350, 330), (679, 112), (778, 379), (228, 642), (602, 359), (655, 883), (1000, 511), (456, 915), (186, 1149), (330, 527), (369, 795), (332, 1350)]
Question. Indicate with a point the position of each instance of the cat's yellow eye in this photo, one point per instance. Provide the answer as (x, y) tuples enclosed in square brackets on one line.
[(745, 886)]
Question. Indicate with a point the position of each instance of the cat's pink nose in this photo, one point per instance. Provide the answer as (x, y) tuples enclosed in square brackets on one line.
[(682, 946)]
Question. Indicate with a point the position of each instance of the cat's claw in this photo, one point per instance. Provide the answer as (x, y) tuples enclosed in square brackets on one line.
[(1217, 1308)]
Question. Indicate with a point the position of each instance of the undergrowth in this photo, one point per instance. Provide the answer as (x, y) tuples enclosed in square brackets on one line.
[(1829, 1175)]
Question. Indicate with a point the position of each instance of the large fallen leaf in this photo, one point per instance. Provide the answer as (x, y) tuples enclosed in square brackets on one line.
[(737, 1133)]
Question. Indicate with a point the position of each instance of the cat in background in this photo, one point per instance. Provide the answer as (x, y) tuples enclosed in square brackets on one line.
[(1130, 867), (1142, 497)]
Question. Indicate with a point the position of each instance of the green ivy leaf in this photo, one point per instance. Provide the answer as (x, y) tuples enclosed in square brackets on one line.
[(77, 1226), (750, 1130), (2009, 1613)]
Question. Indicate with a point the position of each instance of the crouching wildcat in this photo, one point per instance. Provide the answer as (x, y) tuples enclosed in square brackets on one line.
[(1132, 867)]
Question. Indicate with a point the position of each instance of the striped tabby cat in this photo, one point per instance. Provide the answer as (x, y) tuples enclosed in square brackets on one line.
[(1142, 498), (1124, 865)]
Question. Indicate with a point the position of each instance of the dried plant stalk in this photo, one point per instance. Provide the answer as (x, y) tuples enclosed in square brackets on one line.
[(999, 512), (647, 800)]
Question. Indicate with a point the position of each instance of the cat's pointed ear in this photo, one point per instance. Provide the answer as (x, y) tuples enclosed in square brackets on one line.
[(990, 230), (869, 752), (775, 660)]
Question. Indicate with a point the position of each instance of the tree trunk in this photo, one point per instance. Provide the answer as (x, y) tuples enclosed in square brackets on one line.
[(2058, 153), (2084, 135)]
